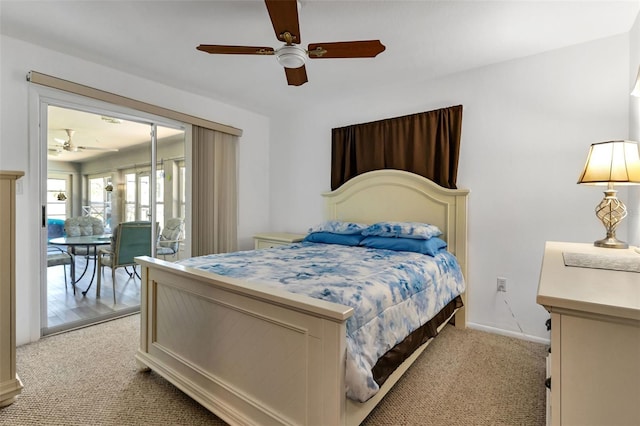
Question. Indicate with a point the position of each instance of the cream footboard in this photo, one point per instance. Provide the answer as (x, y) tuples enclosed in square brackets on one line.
[(257, 357)]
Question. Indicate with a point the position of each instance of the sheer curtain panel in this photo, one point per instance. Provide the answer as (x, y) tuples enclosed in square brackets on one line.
[(215, 189)]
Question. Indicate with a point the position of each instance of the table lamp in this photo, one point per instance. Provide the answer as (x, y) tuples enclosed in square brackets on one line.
[(609, 163)]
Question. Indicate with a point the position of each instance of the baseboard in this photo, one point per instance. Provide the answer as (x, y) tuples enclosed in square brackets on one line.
[(76, 325), (508, 333)]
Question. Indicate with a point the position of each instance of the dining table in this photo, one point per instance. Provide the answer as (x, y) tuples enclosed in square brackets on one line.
[(88, 241)]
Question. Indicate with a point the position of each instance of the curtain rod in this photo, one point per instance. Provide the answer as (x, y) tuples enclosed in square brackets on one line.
[(90, 92)]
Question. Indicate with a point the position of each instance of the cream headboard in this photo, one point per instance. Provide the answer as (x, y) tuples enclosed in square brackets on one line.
[(397, 195)]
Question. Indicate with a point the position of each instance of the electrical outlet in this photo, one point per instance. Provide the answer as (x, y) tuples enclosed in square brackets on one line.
[(502, 284)]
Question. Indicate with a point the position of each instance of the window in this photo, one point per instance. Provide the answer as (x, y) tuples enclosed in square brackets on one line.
[(143, 204), (130, 197), (57, 195), (137, 196), (99, 200), (182, 195), (160, 196)]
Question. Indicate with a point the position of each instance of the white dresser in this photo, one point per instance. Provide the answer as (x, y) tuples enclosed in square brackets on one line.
[(274, 239), (10, 384), (595, 338)]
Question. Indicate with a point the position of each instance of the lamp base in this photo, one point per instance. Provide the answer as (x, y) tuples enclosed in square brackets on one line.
[(611, 211), (611, 242)]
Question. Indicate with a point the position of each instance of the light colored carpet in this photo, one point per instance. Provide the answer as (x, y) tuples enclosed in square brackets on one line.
[(89, 377)]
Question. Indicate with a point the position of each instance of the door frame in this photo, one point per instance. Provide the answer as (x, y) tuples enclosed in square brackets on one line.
[(40, 98)]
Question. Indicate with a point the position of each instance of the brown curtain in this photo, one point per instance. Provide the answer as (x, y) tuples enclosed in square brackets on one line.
[(426, 143)]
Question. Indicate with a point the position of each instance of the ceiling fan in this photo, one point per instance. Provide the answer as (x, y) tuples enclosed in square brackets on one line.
[(284, 18), (68, 145)]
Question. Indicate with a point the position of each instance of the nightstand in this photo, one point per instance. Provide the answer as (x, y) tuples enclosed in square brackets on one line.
[(274, 239), (595, 338)]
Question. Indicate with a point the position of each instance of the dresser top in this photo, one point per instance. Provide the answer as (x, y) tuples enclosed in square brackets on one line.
[(11, 174), (596, 291)]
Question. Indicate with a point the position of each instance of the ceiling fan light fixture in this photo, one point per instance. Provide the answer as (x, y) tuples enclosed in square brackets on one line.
[(291, 56)]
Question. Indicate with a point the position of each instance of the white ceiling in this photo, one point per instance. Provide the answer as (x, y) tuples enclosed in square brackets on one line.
[(96, 132), (423, 39)]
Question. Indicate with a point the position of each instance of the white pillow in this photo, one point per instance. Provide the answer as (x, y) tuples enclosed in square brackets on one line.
[(339, 227), (417, 230)]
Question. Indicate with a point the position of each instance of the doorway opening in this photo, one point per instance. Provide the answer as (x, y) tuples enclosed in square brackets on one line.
[(106, 168)]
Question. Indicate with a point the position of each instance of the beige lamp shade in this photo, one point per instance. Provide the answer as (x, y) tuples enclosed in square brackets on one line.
[(615, 162), (612, 163)]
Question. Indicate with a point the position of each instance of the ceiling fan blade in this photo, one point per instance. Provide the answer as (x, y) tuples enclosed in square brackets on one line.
[(284, 18), (95, 148), (235, 50), (296, 76), (346, 49)]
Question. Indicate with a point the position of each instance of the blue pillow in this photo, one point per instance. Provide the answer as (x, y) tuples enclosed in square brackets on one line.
[(339, 227), (331, 238), (422, 231), (431, 247)]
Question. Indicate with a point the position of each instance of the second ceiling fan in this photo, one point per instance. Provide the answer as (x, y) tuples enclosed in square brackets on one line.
[(68, 145), (284, 18)]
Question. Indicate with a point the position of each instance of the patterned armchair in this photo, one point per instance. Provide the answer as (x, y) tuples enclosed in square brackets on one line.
[(172, 235), (80, 226)]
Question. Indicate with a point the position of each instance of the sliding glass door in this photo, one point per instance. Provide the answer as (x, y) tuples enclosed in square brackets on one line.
[(113, 168)]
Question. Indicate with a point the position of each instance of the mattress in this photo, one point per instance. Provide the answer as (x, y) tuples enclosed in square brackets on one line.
[(393, 293)]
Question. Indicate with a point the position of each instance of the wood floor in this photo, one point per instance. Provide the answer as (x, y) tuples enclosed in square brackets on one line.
[(67, 311)]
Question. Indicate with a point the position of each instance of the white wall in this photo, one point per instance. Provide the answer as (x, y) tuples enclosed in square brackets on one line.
[(17, 59), (633, 203), (527, 127)]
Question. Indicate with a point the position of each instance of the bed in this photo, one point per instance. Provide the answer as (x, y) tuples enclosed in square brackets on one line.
[(256, 355)]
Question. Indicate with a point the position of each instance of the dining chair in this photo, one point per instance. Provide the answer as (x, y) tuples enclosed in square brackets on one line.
[(56, 256), (128, 240), (170, 238), (55, 228)]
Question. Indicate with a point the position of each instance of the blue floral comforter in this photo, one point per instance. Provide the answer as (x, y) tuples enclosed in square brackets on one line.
[(392, 293)]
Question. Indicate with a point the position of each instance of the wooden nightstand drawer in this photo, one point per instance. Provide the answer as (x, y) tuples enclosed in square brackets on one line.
[(274, 239)]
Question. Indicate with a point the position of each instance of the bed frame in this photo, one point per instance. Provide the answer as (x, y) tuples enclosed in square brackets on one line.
[(256, 356)]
